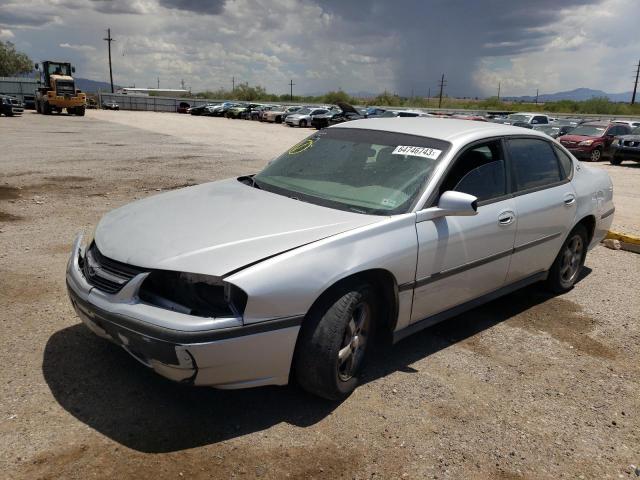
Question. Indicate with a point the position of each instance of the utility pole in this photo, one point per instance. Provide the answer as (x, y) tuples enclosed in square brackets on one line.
[(635, 85), (536, 96), (428, 95), (498, 91), (291, 84), (182, 83), (158, 83), (233, 84), (109, 40), (442, 85)]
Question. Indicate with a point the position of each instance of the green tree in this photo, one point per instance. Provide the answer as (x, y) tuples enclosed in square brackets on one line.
[(336, 96), (13, 62)]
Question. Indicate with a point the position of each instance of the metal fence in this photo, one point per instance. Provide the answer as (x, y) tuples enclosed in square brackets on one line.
[(151, 103), (19, 87)]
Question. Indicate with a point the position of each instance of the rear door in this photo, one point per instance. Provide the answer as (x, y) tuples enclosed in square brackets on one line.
[(545, 202)]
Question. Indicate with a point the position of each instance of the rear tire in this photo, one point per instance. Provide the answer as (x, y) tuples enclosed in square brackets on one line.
[(335, 341), (568, 264), (38, 108), (79, 111), (46, 108), (615, 160)]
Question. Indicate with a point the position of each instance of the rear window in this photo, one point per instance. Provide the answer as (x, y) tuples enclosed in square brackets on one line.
[(533, 164)]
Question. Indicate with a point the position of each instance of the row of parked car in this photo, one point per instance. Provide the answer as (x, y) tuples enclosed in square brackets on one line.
[(591, 140)]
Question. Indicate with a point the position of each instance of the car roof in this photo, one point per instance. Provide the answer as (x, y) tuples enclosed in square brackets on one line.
[(451, 130)]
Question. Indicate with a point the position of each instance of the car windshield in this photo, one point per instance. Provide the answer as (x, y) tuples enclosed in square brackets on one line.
[(519, 118), (588, 131), (548, 128), (635, 131), (365, 171), (304, 111)]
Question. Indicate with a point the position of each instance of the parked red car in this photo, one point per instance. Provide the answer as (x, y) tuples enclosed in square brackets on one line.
[(591, 141)]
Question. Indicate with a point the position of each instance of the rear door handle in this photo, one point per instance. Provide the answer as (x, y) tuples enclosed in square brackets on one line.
[(506, 218), (570, 199)]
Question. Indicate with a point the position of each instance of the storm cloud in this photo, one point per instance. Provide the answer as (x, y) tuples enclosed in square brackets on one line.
[(359, 46)]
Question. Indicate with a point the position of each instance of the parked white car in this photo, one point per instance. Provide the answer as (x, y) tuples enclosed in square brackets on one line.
[(302, 118), (525, 119), (367, 230)]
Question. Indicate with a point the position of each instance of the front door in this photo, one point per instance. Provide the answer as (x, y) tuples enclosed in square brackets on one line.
[(461, 258)]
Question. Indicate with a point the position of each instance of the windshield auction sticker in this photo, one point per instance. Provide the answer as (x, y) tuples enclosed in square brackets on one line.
[(424, 152)]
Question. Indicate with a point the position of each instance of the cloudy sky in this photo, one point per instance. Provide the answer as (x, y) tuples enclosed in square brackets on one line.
[(357, 45)]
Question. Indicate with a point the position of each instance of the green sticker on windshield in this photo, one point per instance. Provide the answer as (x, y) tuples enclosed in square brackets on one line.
[(301, 147)]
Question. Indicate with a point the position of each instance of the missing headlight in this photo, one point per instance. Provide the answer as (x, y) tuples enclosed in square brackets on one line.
[(193, 294)]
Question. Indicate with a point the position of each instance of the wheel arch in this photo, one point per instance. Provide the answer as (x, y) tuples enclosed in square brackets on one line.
[(386, 286), (589, 222)]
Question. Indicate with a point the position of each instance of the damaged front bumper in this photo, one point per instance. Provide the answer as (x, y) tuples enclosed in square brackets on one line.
[(220, 352)]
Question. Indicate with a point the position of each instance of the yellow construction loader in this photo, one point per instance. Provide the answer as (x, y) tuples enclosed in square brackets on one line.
[(58, 90)]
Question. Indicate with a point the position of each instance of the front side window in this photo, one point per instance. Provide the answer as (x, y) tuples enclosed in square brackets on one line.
[(479, 171), (365, 171), (533, 164)]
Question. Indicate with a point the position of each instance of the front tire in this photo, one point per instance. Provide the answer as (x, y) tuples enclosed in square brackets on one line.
[(335, 341), (615, 160), (596, 155), (568, 264), (79, 111), (302, 124)]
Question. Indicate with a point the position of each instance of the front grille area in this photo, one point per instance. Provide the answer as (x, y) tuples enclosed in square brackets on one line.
[(106, 274), (65, 88)]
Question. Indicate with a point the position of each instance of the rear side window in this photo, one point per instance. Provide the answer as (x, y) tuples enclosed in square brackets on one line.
[(533, 164), (565, 162)]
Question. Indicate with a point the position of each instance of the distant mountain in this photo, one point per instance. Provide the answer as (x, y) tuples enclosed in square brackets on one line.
[(578, 95), (92, 86)]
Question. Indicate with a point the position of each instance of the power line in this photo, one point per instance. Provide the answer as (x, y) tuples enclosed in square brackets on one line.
[(109, 40), (442, 84), (635, 85)]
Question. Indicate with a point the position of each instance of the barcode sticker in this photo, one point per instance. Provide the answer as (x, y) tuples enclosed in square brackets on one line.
[(424, 152)]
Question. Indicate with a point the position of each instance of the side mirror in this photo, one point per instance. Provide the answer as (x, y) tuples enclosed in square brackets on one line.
[(451, 204), (35, 65)]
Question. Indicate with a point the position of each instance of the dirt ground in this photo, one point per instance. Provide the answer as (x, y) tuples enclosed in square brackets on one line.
[(529, 386)]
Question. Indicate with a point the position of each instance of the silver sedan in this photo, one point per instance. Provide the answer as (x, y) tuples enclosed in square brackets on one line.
[(369, 230)]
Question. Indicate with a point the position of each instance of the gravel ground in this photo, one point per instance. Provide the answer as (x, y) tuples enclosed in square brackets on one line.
[(528, 386)]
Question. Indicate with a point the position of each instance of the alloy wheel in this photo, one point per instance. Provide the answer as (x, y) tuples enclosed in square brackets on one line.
[(571, 260), (354, 342)]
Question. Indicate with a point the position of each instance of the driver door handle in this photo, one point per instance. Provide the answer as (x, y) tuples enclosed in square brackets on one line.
[(506, 218), (569, 199)]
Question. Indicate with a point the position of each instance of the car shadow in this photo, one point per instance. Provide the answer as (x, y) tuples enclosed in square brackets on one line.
[(103, 387)]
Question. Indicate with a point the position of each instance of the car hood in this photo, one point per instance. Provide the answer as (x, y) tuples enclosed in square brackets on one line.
[(578, 138), (216, 228), (345, 107)]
